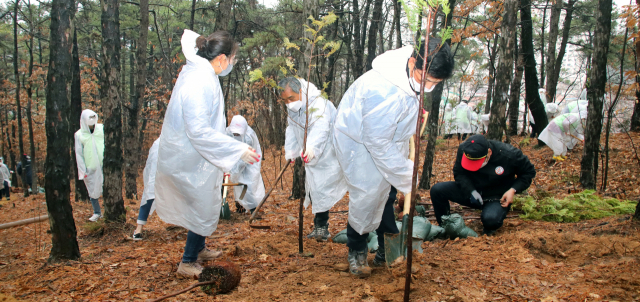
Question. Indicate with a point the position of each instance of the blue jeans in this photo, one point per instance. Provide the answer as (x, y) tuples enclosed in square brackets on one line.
[(143, 214), (195, 244), (358, 242), (96, 206)]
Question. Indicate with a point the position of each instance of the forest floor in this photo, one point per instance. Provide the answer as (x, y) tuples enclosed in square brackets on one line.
[(591, 260)]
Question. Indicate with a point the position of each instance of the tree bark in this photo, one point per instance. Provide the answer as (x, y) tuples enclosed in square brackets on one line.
[(224, 14), (193, 14), (298, 188), (76, 111), (544, 21), (530, 74), (595, 94), (497, 120), (514, 96), (397, 11), (492, 73), (141, 72), (554, 21), (130, 138), (32, 149), (112, 112), (57, 186), (373, 31), (566, 27), (635, 117), (16, 62)]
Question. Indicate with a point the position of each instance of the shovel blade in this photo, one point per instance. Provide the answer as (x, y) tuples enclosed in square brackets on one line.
[(395, 245), (225, 212)]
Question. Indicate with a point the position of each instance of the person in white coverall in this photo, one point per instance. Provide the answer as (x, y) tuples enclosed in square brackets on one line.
[(563, 132), (89, 146), (376, 118), (194, 149), (324, 183), (463, 117), (5, 174), (148, 196), (243, 172), (448, 121)]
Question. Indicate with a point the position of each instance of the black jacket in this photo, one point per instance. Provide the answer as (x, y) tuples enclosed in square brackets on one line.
[(507, 168)]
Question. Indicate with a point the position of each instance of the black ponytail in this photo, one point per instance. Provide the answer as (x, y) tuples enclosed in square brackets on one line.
[(218, 43)]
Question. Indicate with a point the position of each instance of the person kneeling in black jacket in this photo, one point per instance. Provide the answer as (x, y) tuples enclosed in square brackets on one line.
[(487, 175)]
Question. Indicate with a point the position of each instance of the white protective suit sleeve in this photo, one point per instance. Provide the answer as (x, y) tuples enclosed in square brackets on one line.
[(292, 149), (210, 143), (378, 130), (82, 169), (149, 175)]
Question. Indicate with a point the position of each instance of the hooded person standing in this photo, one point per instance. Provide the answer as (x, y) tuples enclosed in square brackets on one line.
[(324, 183), (376, 118), (463, 119), (148, 196), (6, 180), (448, 120), (89, 146), (242, 172), (194, 149)]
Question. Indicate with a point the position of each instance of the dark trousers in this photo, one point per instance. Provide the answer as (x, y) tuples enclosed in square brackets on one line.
[(534, 132), (448, 136), (464, 136), (6, 191), (321, 219), (195, 244), (143, 214), (493, 214), (387, 225)]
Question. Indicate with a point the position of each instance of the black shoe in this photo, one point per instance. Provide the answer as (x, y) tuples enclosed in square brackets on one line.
[(489, 232), (322, 233), (358, 265), (380, 259), (137, 236)]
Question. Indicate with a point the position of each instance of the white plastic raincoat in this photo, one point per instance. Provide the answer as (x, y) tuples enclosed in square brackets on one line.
[(89, 154), (550, 108), (463, 118), (324, 182), (376, 118), (563, 133), (149, 176), (576, 107), (448, 120), (484, 118), (4, 174), (245, 173), (194, 149)]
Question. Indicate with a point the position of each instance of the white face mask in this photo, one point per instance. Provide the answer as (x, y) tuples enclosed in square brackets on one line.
[(415, 85), (237, 137), (226, 71), (295, 106)]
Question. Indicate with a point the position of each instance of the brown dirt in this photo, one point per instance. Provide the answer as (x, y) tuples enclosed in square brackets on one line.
[(527, 260)]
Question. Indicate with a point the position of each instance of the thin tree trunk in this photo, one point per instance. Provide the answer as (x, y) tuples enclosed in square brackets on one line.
[(530, 74), (635, 118), (514, 96), (298, 188), (505, 69), (130, 138), (373, 31), (112, 112), (193, 14), (595, 94), (57, 186), (566, 27), (16, 62), (492, 73), (554, 21), (396, 19), (544, 21), (76, 110), (224, 14), (32, 149), (141, 60)]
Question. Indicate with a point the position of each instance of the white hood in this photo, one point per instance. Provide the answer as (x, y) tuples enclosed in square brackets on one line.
[(189, 50), (312, 90), (392, 65), (85, 120), (238, 125)]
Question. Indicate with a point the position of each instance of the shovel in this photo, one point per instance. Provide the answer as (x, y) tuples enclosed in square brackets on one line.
[(225, 212), (395, 245), (255, 212)]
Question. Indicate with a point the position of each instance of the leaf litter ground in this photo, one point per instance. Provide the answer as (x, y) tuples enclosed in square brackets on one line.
[(590, 260)]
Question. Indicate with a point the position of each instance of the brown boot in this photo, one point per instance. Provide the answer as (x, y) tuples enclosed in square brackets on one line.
[(190, 270), (208, 255)]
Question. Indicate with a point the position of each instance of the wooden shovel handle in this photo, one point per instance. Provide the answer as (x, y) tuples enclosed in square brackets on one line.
[(255, 212)]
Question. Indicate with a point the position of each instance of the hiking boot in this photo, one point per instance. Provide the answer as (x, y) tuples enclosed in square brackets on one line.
[(208, 255), (313, 233), (95, 217), (137, 236), (358, 265), (380, 259), (190, 270), (322, 233)]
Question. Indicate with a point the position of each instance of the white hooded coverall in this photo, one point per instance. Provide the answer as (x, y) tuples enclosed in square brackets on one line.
[(324, 183), (89, 149), (149, 177), (194, 149), (463, 117), (563, 133), (245, 173), (375, 119)]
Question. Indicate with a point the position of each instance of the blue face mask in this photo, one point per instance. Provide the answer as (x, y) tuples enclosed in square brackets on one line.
[(226, 71)]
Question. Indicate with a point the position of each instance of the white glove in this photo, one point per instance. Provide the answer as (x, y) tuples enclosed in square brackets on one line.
[(477, 196), (308, 155), (250, 156)]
